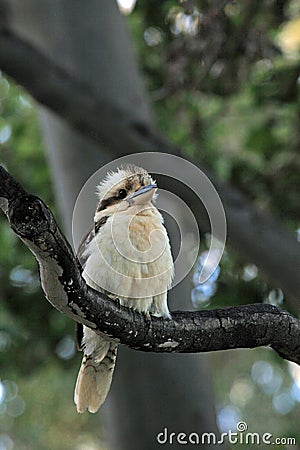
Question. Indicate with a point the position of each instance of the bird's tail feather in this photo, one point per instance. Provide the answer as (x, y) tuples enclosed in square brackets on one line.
[(94, 379)]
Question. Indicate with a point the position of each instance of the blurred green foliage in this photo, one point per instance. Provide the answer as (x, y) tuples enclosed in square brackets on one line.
[(225, 88), (37, 368)]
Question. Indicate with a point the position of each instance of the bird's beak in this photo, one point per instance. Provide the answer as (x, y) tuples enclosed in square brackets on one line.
[(143, 195)]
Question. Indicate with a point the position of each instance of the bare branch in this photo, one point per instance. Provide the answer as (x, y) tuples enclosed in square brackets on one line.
[(203, 331), (255, 236)]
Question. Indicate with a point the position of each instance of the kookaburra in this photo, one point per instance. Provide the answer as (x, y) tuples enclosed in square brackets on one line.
[(126, 255)]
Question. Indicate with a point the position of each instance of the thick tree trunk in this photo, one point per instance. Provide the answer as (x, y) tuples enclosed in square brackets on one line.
[(90, 40), (149, 392)]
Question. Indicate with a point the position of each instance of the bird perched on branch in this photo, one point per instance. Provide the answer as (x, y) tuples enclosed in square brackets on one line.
[(127, 256)]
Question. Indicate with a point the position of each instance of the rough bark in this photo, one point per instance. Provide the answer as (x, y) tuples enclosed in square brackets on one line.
[(89, 41), (245, 326), (250, 232)]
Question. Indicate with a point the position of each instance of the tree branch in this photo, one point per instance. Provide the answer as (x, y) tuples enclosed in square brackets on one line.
[(255, 236), (203, 331)]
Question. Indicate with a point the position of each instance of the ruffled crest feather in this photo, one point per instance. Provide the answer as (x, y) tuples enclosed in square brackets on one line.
[(112, 178)]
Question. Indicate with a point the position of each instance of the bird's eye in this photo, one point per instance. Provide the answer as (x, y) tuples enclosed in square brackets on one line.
[(122, 193)]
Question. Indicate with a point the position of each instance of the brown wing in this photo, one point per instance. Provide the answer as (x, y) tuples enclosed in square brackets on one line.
[(86, 240), (82, 259), (88, 237)]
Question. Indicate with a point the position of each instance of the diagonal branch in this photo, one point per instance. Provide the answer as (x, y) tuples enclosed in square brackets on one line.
[(203, 331), (255, 236)]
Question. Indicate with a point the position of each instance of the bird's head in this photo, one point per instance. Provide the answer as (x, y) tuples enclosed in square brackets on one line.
[(130, 186)]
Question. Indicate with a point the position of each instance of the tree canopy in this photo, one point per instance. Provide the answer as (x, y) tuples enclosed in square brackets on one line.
[(223, 80)]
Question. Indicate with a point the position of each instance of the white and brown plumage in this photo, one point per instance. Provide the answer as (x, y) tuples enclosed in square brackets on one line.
[(126, 255)]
